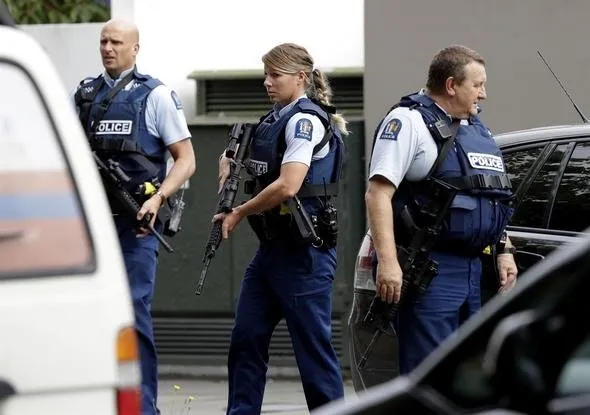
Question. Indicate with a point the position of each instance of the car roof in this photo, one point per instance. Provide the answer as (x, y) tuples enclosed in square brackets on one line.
[(533, 135)]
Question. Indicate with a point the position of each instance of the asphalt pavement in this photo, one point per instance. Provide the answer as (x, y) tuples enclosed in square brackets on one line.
[(185, 396)]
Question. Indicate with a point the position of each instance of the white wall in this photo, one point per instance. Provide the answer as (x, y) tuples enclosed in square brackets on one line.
[(180, 36), (73, 48)]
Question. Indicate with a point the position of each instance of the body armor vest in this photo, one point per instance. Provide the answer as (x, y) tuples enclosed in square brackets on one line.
[(266, 154), (474, 165), (121, 134)]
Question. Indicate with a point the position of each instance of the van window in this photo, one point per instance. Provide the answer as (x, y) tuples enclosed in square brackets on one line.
[(42, 228), (570, 209), (533, 204)]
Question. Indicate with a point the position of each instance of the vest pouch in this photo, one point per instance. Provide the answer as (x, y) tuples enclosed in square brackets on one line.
[(462, 223)]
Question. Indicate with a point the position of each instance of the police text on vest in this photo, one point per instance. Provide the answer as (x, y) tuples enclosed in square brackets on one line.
[(120, 127), (486, 161)]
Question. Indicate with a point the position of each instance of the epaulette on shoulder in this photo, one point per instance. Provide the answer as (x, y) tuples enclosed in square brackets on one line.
[(152, 83), (88, 80), (85, 89), (312, 108)]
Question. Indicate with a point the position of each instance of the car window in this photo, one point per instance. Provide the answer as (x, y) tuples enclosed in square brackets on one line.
[(519, 162), (532, 205), (42, 229), (575, 376), (571, 209)]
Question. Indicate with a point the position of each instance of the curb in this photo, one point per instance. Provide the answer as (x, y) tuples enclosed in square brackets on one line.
[(220, 372)]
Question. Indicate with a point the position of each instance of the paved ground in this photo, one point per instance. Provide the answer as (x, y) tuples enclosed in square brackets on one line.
[(210, 397)]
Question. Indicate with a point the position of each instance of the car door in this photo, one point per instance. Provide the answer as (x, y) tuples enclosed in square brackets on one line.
[(528, 353), (525, 353), (551, 179)]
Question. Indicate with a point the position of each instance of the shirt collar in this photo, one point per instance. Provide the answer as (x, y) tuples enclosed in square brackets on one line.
[(112, 82), (279, 111)]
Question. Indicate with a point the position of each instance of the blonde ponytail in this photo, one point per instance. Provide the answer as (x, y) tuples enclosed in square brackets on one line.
[(320, 90)]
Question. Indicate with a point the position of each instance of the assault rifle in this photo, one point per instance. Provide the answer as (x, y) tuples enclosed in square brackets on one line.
[(240, 137), (114, 179), (418, 270)]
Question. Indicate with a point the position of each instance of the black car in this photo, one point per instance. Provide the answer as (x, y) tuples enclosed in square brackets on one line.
[(550, 169), (527, 352)]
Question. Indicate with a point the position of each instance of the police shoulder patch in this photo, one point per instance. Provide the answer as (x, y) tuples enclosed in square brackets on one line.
[(304, 129), (391, 130), (176, 100)]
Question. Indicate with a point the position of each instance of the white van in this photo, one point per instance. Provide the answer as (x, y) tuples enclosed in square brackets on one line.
[(67, 343)]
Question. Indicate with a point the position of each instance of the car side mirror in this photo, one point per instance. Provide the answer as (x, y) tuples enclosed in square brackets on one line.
[(513, 361)]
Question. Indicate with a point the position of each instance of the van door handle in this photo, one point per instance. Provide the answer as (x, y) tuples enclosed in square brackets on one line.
[(6, 390), (6, 236)]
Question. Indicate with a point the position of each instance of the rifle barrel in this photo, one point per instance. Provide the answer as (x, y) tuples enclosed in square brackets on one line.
[(376, 334), (161, 239), (201, 281)]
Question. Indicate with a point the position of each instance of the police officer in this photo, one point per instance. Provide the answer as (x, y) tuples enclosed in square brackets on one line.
[(296, 148), (408, 143), (134, 119)]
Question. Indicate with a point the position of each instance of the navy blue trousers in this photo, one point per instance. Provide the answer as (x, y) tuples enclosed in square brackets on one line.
[(453, 296), (141, 260), (295, 283)]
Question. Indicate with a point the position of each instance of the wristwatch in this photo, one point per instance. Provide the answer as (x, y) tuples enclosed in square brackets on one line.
[(508, 250), (501, 245)]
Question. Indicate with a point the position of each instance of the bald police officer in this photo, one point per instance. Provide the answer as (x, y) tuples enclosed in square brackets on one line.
[(134, 119), (407, 144)]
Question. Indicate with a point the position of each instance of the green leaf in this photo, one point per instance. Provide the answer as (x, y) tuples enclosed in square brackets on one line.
[(57, 11)]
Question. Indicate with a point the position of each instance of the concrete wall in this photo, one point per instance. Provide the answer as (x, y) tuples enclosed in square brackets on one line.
[(402, 36), (181, 36), (73, 48)]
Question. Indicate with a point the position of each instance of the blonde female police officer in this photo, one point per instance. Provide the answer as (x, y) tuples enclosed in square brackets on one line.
[(406, 148), (287, 278)]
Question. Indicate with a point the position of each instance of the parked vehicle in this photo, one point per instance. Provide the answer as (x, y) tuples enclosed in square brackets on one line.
[(550, 168), (526, 352), (68, 345)]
